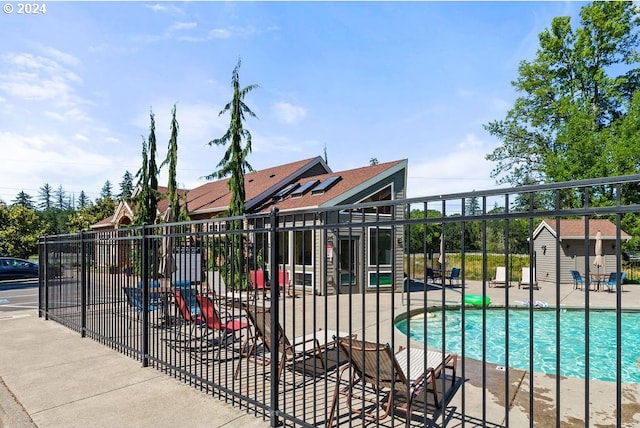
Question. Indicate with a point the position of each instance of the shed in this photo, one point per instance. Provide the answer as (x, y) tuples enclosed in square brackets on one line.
[(575, 248)]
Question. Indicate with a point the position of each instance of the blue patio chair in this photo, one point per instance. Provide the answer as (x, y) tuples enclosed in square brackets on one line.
[(613, 282), (578, 280), (135, 299), (154, 296), (453, 276)]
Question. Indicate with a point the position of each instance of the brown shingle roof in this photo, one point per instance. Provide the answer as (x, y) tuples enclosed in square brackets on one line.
[(215, 196), (574, 228), (350, 179)]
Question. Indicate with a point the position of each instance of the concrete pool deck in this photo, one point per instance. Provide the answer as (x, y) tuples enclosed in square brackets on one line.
[(601, 396)]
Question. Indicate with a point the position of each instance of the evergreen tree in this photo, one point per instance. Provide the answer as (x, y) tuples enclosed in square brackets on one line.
[(172, 160), (126, 186), (234, 164), (24, 199), (60, 195), (45, 195), (83, 201), (106, 191)]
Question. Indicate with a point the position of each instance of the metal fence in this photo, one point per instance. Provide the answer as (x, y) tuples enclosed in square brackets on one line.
[(335, 316)]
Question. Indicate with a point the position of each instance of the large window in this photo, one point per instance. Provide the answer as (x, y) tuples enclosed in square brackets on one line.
[(303, 248), (283, 248), (381, 195), (380, 246)]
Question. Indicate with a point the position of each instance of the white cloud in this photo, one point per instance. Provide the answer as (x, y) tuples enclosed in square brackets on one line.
[(81, 137), (179, 26), (461, 170), (288, 113), (165, 8)]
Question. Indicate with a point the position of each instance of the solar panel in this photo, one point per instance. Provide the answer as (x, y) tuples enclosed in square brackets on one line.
[(305, 187), (284, 192), (326, 184)]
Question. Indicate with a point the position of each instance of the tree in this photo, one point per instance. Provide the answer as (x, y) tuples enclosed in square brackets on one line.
[(83, 201), (234, 164), (577, 90), (106, 191), (172, 160), (91, 214), (60, 195), (126, 186), (147, 198), (24, 199), (45, 195), (20, 231)]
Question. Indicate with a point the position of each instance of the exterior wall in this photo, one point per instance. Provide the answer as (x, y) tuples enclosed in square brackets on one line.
[(572, 257)]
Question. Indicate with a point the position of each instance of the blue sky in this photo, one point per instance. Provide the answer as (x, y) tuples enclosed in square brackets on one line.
[(390, 80)]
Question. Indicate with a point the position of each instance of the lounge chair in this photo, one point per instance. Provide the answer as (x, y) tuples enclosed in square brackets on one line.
[(613, 281), (229, 327), (260, 281), (404, 379), (525, 280), (578, 280), (312, 346), (500, 280)]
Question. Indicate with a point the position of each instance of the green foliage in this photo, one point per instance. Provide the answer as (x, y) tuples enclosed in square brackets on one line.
[(576, 94), (19, 232), (106, 191), (147, 198), (172, 160), (91, 214), (25, 200), (234, 164), (126, 186), (45, 194)]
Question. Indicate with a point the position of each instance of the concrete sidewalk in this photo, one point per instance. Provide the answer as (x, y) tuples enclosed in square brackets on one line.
[(50, 377)]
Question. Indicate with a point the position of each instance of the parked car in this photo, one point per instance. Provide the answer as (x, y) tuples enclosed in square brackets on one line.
[(15, 268)]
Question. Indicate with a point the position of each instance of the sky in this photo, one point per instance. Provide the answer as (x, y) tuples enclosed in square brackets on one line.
[(361, 80)]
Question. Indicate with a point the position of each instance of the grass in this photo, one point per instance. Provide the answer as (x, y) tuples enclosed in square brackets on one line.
[(414, 265)]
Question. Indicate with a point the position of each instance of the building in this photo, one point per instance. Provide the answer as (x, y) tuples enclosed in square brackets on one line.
[(307, 185), (574, 247)]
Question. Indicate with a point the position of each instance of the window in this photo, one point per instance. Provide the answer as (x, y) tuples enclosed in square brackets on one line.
[(303, 248), (381, 195), (380, 279), (283, 248), (380, 246)]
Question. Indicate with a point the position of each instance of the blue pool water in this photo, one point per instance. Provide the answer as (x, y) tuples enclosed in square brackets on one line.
[(602, 336)]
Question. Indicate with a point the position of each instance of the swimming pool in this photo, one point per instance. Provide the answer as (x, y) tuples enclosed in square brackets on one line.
[(602, 336)]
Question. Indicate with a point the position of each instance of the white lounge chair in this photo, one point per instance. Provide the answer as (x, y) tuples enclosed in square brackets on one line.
[(525, 281), (500, 280)]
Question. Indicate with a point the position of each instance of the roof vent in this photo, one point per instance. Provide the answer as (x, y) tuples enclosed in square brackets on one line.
[(326, 185)]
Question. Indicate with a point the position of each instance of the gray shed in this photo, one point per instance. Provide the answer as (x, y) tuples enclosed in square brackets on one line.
[(573, 247)]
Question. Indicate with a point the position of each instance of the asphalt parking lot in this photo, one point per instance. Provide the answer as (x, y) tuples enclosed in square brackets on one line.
[(18, 296)]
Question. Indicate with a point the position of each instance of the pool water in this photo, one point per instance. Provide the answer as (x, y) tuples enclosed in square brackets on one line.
[(602, 336)]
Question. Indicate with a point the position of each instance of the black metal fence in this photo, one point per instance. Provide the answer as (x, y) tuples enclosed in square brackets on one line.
[(332, 316)]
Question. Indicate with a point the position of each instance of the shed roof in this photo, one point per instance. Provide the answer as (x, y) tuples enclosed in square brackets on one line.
[(575, 229)]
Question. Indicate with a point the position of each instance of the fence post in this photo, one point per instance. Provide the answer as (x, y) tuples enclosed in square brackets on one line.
[(145, 297), (83, 286), (275, 301), (45, 279), (42, 279)]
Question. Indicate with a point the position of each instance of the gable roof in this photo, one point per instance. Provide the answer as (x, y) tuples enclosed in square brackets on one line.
[(575, 229), (351, 183), (215, 196), (126, 208)]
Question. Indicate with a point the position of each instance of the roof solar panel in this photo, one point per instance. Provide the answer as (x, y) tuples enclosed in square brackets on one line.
[(284, 192), (304, 188), (325, 185)]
